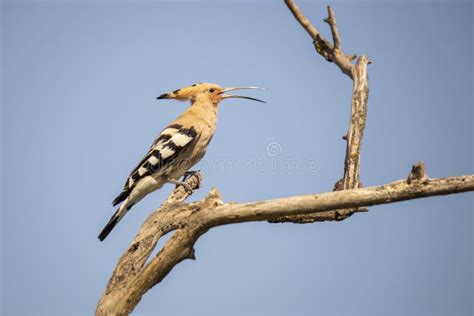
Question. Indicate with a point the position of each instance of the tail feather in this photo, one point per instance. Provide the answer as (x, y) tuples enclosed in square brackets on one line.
[(121, 197), (118, 215)]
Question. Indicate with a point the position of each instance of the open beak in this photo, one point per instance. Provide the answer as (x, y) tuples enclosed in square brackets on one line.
[(230, 96)]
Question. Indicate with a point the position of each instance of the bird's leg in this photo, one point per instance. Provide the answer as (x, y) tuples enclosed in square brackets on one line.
[(184, 184), (188, 174)]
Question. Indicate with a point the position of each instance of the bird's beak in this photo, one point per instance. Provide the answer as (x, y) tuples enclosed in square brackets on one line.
[(229, 96)]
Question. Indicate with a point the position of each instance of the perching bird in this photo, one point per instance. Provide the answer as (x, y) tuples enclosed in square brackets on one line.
[(177, 148)]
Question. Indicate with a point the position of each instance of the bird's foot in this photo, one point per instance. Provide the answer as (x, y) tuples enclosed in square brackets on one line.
[(189, 174), (186, 186)]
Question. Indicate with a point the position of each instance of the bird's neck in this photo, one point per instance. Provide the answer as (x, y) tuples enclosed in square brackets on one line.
[(204, 110)]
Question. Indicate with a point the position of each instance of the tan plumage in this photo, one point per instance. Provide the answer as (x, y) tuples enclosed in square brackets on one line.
[(177, 148)]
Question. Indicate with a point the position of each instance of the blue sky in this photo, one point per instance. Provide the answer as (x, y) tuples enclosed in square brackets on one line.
[(79, 81)]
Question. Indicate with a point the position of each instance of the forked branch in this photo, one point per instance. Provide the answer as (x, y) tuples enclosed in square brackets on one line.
[(360, 94), (132, 279), (330, 52)]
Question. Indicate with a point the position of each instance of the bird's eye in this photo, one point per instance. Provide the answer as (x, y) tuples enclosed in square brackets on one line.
[(211, 90)]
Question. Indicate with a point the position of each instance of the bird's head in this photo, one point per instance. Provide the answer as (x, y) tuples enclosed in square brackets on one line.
[(206, 92)]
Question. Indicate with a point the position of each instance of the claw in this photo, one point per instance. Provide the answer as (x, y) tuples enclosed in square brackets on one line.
[(186, 186), (189, 174)]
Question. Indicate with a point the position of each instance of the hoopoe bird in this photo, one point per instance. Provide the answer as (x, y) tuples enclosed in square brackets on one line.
[(177, 148)]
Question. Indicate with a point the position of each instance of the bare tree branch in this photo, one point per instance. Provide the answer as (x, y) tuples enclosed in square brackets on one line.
[(155, 226), (332, 53), (331, 20), (192, 220), (303, 20), (360, 94)]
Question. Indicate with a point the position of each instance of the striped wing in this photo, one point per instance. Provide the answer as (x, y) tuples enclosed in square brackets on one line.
[(165, 150)]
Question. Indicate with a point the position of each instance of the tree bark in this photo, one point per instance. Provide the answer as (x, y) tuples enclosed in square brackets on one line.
[(132, 279), (360, 94)]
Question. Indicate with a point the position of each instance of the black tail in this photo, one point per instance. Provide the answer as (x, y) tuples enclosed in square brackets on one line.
[(110, 225), (121, 197)]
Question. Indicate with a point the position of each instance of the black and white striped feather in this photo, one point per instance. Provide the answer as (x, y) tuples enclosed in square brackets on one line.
[(164, 152)]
